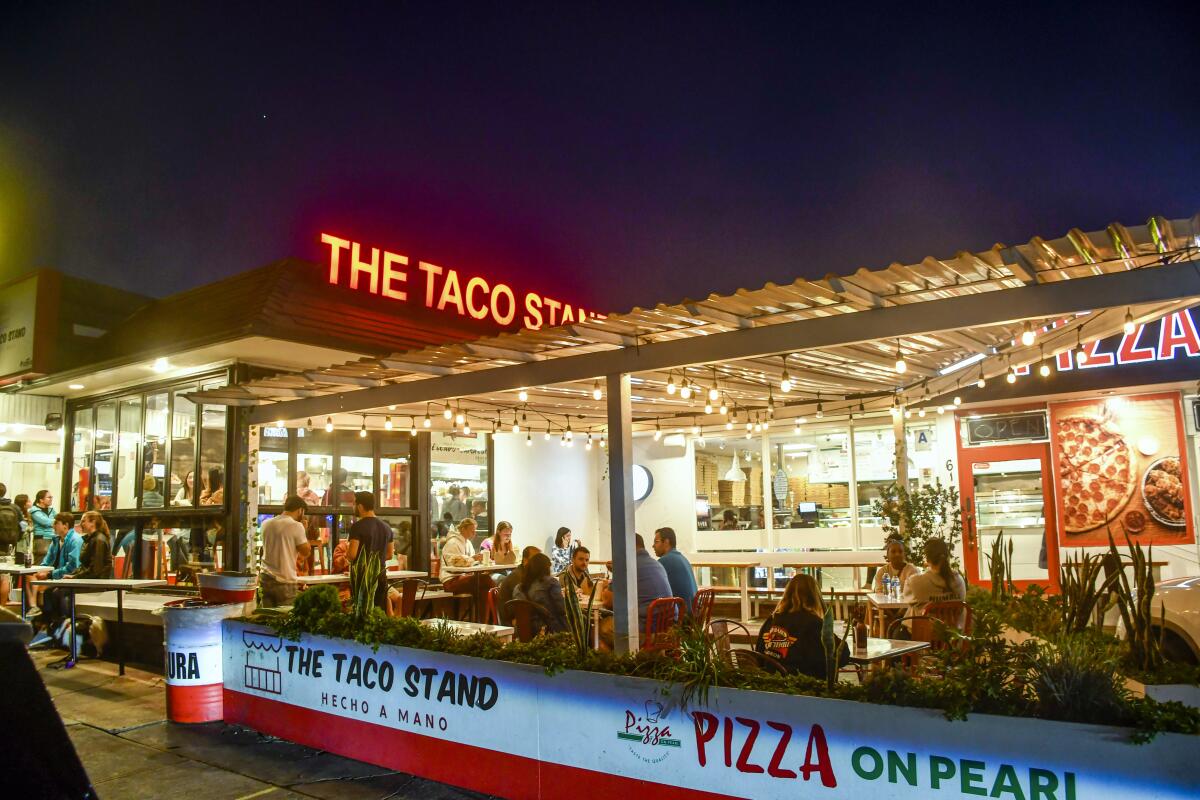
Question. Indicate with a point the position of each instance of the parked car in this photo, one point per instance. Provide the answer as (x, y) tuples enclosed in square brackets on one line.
[(1180, 597)]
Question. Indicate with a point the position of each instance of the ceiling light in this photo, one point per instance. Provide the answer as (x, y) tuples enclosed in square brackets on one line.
[(1027, 335), (908, 413), (798, 423), (427, 422), (362, 432), (724, 409), (708, 408), (685, 391), (387, 423), (1129, 326), (75, 387), (921, 412), (529, 440), (1081, 355), (671, 383), (516, 426), (412, 429), (160, 365), (596, 393), (729, 424), (466, 428), (901, 364), (459, 416), (820, 412), (941, 409), (982, 382), (603, 440), (547, 435), (1044, 369), (657, 431), (523, 396), (713, 394), (329, 424), (695, 428), (785, 384), (447, 412), (958, 400)]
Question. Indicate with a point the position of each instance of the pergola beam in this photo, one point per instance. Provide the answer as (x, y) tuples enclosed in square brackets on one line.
[(1039, 301)]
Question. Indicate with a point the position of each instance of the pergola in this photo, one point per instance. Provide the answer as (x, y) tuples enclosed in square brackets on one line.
[(906, 335)]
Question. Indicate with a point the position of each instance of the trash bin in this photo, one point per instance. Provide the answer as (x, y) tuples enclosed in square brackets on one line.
[(192, 634)]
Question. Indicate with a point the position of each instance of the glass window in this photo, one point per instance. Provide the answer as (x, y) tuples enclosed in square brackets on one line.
[(729, 485), (212, 455), (183, 450), (402, 538), (459, 479), (106, 437), (154, 452), (314, 466), (875, 467), (356, 468), (272, 466), (810, 483), (129, 449), (81, 460), (395, 471)]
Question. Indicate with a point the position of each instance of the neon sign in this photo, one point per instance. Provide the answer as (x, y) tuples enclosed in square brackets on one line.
[(1177, 337), (386, 274)]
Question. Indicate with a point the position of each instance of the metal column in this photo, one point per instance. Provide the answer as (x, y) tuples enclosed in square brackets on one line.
[(620, 500)]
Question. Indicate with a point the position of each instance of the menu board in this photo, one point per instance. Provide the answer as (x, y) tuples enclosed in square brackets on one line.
[(1119, 464)]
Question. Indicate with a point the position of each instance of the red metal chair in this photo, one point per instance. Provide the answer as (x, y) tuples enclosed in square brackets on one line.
[(953, 613), (408, 595), (662, 615), (524, 613), (702, 605), (490, 615)]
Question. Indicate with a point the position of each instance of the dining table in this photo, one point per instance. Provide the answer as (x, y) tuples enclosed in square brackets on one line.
[(478, 569), (22, 573), (882, 609), (119, 585), (879, 651)]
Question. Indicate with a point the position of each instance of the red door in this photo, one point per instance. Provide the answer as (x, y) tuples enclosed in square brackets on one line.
[(1009, 490)]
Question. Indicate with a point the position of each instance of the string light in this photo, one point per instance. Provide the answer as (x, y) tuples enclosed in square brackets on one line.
[(785, 385), (941, 409), (362, 432), (957, 401), (770, 404), (447, 412), (895, 407), (466, 428), (695, 427), (1027, 335), (329, 424), (603, 440), (412, 429), (308, 425), (671, 383), (459, 416), (982, 382), (713, 392), (724, 409), (392, 407), (729, 421), (387, 423), (427, 422), (908, 413), (901, 364), (657, 430), (1011, 377), (921, 412), (529, 440), (685, 391), (1081, 355), (820, 412), (797, 424), (708, 408), (569, 434), (279, 423), (547, 435), (588, 445), (1044, 369), (516, 426), (1129, 326), (523, 396), (596, 393)]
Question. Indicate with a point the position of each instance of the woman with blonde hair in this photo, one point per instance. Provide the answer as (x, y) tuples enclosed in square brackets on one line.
[(500, 545), (459, 551), (792, 634)]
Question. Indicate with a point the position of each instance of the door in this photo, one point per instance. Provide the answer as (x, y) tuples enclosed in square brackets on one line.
[(1009, 490)]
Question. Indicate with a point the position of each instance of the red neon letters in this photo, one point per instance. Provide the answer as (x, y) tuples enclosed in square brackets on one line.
[(386, 274)]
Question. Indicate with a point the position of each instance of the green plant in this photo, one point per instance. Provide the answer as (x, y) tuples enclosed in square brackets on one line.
[(1077, 678), (917, 516), (1082, 590), (832, 647), (364, 583), (1000, 568), (578, 621), (1135, 602), (698, 664)]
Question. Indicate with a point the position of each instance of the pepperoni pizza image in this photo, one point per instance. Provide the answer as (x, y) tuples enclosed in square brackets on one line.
[(1096, 475)]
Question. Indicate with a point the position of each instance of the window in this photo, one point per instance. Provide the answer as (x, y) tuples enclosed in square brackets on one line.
[(154, 452), (129, 448), (395, 471), (729, 486), (356, 467), (459, 478), (810, 478), (212, 455), (106, 437), (272, 466), (183, 450), (81, 460), (314, 466)]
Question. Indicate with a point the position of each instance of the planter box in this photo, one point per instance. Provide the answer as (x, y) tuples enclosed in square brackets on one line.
[(513, 731), (1186, 693)]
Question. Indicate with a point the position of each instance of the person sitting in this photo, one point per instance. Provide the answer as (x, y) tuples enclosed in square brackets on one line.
[(63, 559), (578, 572), (214, 491), (151, 496), (95, 557), (792, 634), (539, 586), (500, 545), (459, 551), (651, 584), (729, 521), (897, 566), (560, 554), (938, 583), (679, 569), (510, 583)]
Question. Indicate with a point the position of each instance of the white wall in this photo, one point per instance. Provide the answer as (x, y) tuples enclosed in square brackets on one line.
[(544, 486), (671, 502)]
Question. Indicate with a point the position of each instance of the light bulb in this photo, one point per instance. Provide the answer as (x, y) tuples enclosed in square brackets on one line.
[(466, 429), (979, 384), (1011, 377), (279, 423), (1028, 335), (797, 425), (901, 365), (908, 413), (523, 396), (562, 440), (895, 411), (820, 413), (329, 424), (529, 440), (412, 430), (724, 409), (713, 394), (1044, 370), (921, 412), (427, 422), (657, 432), (362, 432), (695, 429), (387, 423), (588, 445), (801, 420), (603, 440), (459, 417), (728, 424), (749, 434), (547, 435), (392, 407), (708, 408), (785, 385), (766, 424), (447, 413), (958, 400), (749, 425), (941, 409), (1081, 356), (758, 427), (670, 383), (516, 426), (596, 393), (1129, 326), (685, 391)]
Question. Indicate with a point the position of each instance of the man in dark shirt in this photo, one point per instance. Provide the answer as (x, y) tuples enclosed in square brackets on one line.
[(509, 585), (371, 537)]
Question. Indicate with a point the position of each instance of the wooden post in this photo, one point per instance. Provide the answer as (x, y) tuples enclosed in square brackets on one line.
[(620, 499)]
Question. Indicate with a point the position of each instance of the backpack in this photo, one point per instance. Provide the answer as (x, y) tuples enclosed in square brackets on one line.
[(10, 525)]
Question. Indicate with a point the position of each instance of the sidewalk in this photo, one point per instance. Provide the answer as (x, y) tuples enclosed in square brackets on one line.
[(130, 751)]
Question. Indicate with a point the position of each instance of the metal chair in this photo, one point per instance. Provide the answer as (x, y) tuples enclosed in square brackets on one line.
[(490, 615), (753, 661), (524, 613), (702, 605), (953, 613), (718, 629), (662, 615)]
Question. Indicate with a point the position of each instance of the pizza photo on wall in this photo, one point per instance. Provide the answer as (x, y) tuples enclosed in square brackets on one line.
[(1119, 464)]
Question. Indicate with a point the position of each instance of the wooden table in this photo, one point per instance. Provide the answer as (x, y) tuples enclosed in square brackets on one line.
[(343, 577), (119, 585), (879, 651), (742, 563), (502, 632), (23, 573), (478, 569), (878, 606)]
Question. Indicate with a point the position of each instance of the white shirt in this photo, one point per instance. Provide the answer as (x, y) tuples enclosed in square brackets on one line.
[(457, 551), (928, 587), (281, 536)]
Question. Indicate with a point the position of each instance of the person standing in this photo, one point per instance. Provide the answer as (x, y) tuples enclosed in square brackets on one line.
[(284, 539), (371, 537), (42, 515), (678, 568)]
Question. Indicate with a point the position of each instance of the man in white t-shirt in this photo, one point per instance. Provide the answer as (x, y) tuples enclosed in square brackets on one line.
[(284, 538)]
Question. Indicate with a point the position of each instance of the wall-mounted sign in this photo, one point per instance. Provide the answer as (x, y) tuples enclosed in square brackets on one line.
[(1005, 428), (643, 482), (18, 305), (386, 274), (1175, 336)]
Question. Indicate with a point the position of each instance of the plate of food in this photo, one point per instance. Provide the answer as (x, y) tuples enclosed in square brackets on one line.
[(1163, 492)]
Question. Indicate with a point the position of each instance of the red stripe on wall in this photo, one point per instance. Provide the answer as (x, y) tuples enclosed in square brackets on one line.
[(194, 703), (462, 765)]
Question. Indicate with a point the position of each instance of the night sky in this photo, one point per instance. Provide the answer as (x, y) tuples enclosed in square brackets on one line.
[(612, 155)]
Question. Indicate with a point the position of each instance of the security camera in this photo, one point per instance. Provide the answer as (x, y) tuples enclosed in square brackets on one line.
[(53, 422)]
